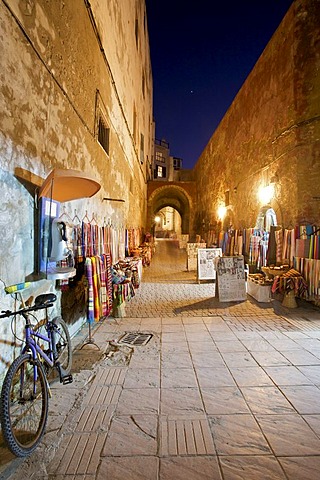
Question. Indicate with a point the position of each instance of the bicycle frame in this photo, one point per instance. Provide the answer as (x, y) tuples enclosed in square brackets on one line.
[(31, 344)]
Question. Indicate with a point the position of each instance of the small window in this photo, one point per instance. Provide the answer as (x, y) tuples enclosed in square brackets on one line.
[(177, 162), (160, 157), (103, 135)]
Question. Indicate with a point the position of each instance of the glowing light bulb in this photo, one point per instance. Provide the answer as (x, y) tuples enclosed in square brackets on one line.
[(266, 194), (222, 212)]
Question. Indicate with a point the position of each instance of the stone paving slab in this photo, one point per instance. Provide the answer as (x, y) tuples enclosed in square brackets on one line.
[(79, 454), (221, 392), (185, 436)]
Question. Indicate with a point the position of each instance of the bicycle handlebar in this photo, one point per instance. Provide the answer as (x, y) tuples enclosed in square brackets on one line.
[(10, 313)]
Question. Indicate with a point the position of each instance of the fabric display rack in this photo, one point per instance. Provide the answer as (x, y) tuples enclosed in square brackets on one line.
[(126, 277), (99, 278), (249, 242), (296, 249), (98, 252), (144, 251), (132, 268), (307, 259)]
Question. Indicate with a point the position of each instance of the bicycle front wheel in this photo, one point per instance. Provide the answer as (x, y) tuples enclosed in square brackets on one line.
[(24, 405)]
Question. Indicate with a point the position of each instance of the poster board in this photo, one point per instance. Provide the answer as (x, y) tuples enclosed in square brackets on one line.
[(206, 262), (231, 279), (192, 255)]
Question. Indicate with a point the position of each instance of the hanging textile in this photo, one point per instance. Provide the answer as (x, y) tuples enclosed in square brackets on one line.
[(88, 270), (103, 287), (279, 242), (78, 253), (291, 280), (98, 271), (96, 287), (288, 246), (274, 245), (122, 292), (106, 262)]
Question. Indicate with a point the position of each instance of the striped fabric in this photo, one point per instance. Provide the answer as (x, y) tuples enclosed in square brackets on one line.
[(279, 242), (96, 287), (88, 269), (103, 288)]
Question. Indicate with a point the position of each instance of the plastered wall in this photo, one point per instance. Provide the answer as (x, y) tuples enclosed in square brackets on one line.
[(61, 63), (270, 134)]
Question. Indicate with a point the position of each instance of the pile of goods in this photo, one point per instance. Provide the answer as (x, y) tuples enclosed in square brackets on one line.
[(260, 279)]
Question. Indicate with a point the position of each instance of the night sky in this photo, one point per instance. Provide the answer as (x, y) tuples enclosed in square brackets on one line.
[(200, 58)]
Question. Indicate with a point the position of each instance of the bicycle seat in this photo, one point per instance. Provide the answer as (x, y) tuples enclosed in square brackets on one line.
[(45, 299)]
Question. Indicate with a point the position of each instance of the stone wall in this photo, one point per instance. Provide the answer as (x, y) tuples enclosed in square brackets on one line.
[(270, 134), (61, 63)]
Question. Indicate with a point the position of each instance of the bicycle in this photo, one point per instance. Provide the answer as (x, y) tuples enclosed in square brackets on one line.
[(24, 401)]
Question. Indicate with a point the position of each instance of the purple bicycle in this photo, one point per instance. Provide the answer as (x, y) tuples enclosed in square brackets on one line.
[(24, 400)]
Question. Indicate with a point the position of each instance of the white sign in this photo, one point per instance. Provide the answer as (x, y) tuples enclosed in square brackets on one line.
[(231, 279), (192, 254), (206, 262)]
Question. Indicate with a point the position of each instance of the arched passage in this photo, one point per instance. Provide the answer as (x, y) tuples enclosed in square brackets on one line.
[(172, 196), (167, 223)]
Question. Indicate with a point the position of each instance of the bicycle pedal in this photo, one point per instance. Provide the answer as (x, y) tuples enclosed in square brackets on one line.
[(67, 379)]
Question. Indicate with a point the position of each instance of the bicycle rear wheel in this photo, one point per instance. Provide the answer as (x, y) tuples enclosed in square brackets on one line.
[(24, 405), (62, 344)]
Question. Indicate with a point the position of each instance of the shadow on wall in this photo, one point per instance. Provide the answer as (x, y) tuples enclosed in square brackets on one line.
[(73, 297)]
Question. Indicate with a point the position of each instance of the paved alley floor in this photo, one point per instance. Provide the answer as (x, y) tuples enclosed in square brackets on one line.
[(219, 392)]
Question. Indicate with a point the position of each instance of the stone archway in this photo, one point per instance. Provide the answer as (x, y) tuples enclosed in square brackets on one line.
[(171, 195), (266, 218)]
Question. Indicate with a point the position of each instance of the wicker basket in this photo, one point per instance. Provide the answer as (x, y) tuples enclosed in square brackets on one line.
[(289, 300)]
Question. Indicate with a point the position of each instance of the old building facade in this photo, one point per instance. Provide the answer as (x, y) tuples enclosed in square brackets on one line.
[(264, 155), (76, 94), (269, 139)]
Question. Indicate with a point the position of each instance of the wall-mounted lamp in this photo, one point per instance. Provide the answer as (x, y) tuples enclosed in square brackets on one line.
[(222, 210), (266, 194), (157, 219)]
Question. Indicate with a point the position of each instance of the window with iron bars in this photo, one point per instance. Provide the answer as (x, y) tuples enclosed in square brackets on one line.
[(104, 135)]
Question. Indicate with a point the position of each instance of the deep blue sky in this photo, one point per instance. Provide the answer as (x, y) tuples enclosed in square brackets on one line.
[(200, 58)]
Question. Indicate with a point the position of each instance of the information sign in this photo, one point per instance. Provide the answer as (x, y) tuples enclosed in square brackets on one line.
[(206, 262), (231, 279)]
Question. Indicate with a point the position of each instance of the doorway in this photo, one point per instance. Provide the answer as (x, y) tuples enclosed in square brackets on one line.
[(167, 223)]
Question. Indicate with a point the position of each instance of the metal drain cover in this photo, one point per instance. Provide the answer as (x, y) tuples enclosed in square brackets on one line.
[(137, 339)]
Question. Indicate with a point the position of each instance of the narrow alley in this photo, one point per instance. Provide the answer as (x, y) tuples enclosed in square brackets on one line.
[(221, 391)]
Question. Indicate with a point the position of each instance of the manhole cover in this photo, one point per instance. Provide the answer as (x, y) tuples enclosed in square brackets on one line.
[(137, 339)]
